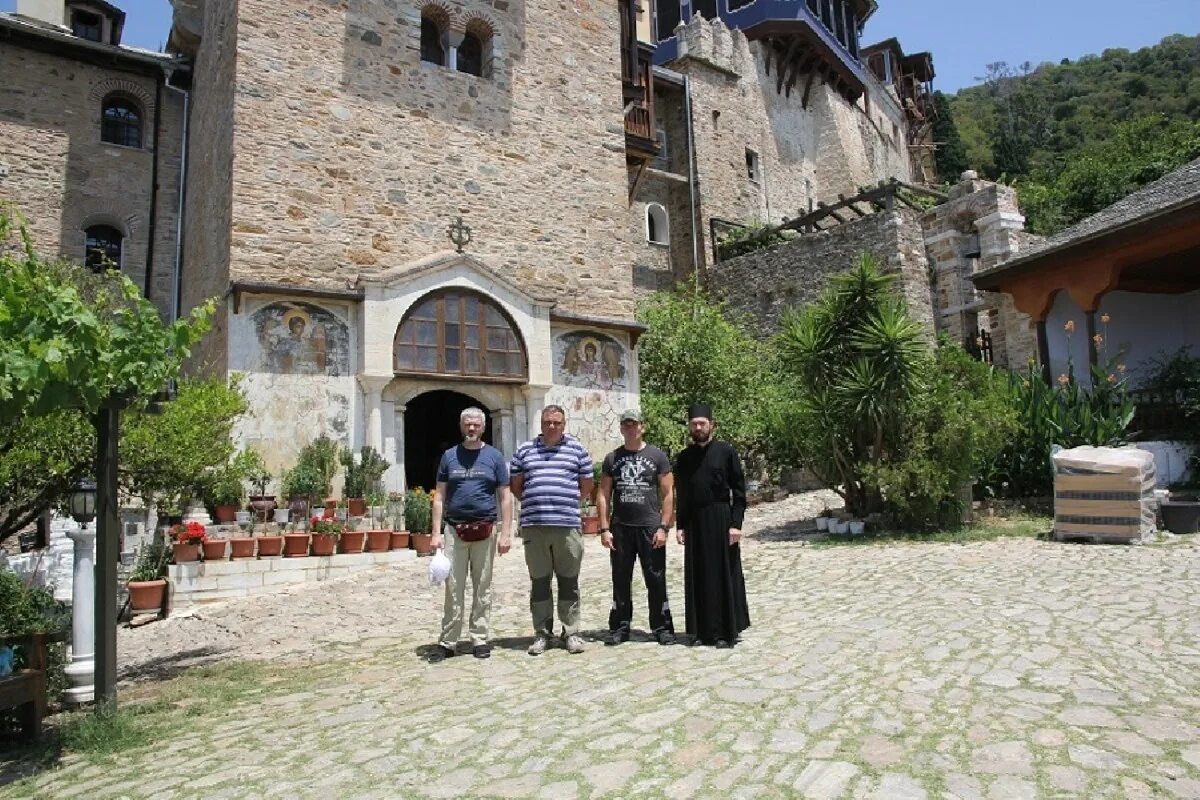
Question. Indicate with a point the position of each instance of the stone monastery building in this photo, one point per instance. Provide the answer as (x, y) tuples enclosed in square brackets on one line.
[(409, 207)]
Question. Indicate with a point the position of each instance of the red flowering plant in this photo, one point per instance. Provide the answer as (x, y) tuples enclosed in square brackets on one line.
[(189, 533), (320, 524)]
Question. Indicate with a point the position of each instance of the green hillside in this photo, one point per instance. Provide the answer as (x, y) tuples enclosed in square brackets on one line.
[(1075, 137)]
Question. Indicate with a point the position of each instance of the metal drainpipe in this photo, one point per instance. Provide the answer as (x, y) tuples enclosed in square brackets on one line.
[(176, 284), (687, 98), (152, 227)]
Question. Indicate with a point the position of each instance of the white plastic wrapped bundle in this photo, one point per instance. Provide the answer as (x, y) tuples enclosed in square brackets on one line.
[(439, 568), (1104, 493)]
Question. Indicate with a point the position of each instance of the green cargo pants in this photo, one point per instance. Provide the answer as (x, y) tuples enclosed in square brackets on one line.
[(473, 559), (553, 552)]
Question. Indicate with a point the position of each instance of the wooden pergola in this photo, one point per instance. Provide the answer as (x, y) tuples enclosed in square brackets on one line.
[(1148, 242)]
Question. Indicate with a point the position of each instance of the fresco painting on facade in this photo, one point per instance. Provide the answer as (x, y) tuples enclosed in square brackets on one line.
[(302, 339), (589, 360)]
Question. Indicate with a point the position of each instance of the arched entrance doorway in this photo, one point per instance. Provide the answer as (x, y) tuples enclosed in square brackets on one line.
[(431, 426)]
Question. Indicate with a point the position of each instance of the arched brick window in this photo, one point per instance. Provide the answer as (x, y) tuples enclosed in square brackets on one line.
[(433, 26), (102, 249), (657, 230), (470, 55), (459, 333), (121, 121)]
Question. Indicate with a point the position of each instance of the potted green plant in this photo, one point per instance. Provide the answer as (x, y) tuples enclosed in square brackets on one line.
[(259, 476), (147, 587), (399, 523), (325, 535), (224, 493), (379, 538), (418, 517), (303, 484), (589, 516)]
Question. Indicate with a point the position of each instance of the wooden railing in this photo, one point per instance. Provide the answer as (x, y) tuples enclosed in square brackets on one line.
[(1157, 411), (638, 122)]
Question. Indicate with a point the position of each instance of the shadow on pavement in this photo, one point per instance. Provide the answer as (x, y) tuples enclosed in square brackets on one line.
[(166, 667)]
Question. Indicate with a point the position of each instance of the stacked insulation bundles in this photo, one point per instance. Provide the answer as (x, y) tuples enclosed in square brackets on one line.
[(1104, 494)]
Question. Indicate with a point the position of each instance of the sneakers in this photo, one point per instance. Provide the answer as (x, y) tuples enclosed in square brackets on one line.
[(441, 653), (482, 651), (665, 636), (538, 647), (574, 644), (617, 636)]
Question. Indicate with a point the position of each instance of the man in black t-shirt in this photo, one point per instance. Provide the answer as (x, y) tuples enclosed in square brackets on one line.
[(636, 483)]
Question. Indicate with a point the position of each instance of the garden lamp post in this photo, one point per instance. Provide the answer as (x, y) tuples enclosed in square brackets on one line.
[(81, 672)]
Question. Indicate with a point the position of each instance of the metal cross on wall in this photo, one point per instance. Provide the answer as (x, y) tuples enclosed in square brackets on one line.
[(459, 233)]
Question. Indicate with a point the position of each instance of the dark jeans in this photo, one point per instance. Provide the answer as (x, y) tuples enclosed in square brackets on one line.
[(638, 544)]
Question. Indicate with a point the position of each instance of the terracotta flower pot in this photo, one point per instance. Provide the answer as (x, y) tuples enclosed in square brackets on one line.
[(270, 546), (358, 506), (214, 550), (352, 542), (241, 547), (422, 543), (183, 552), (378, 541), (399, 540), (323, 544), (591, 526), (295, 544), (147, 595), (226, 514), (330, 505)]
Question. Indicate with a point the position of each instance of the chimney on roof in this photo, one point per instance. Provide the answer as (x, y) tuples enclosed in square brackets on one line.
[(51, 11)]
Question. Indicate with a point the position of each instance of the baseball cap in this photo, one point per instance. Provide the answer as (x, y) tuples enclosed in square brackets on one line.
[(631, 413)]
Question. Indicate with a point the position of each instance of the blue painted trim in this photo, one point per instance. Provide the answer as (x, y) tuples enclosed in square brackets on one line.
[(760, 11)]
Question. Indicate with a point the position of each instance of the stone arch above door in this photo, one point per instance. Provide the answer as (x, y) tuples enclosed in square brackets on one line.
[(389, 295)]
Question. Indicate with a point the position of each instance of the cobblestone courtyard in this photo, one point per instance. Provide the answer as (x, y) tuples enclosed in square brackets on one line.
[(1006, 669)]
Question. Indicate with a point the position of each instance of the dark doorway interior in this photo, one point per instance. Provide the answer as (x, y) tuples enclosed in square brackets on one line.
[(431, 426)]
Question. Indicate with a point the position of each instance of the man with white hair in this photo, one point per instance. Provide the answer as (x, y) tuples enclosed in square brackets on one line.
[(472, 485)]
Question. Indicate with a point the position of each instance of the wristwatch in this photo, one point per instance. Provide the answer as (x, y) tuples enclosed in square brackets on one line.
[(664, 528), (605, 530)]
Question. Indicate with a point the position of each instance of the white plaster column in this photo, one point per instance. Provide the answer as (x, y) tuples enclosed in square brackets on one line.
[(81, 672), (535, 398), (452, 40), (372, 388), (397, 482), (505, 434)]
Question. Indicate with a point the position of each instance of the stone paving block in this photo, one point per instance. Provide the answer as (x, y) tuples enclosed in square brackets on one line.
[(825, 780)]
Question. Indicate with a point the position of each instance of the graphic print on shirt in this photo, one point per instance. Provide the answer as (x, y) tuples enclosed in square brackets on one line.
[(636, 478)]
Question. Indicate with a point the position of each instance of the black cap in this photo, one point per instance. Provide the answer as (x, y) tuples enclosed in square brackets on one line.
[(700, 410)]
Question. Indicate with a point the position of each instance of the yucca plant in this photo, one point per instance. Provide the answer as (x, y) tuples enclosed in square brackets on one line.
[(856, 360)]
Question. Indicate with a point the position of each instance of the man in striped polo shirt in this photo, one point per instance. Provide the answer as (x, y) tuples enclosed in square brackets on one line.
[(549, 476)]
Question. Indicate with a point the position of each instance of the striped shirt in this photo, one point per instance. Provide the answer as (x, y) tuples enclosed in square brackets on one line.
[(552, 475)]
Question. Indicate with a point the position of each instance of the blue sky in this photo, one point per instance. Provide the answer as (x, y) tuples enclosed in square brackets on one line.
[(964, 35)]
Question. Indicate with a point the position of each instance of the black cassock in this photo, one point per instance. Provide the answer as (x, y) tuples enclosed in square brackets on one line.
[(710, 499)]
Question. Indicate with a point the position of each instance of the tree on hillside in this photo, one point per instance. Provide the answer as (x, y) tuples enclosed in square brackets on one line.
[(951, 153)]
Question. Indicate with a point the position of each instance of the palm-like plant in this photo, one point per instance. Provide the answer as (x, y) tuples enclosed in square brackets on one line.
[(856, 359)]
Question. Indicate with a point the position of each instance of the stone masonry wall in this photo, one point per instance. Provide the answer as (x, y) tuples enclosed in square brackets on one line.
[(763, 284), (355, 154), (64, 179), (979, 227), (208, 211), (805, 155)]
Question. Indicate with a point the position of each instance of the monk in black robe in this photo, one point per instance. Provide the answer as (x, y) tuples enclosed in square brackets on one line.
[(710, 506)]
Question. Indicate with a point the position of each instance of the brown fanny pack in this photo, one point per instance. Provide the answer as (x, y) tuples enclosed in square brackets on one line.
[(473, 531)]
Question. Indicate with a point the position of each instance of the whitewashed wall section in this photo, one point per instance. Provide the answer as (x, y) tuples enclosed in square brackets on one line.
[(595, 379), (299, 361)]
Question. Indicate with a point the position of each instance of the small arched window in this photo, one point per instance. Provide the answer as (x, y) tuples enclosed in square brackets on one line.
[(459, 333), (431, 40), (657, 229), (121, 122), (102, 249), (470, 55)]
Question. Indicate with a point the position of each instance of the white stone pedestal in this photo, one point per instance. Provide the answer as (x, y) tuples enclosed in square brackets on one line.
[(197, 513), (81, 672)]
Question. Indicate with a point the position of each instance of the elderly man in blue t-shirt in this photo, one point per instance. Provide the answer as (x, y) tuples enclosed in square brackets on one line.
[(472, 483)]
